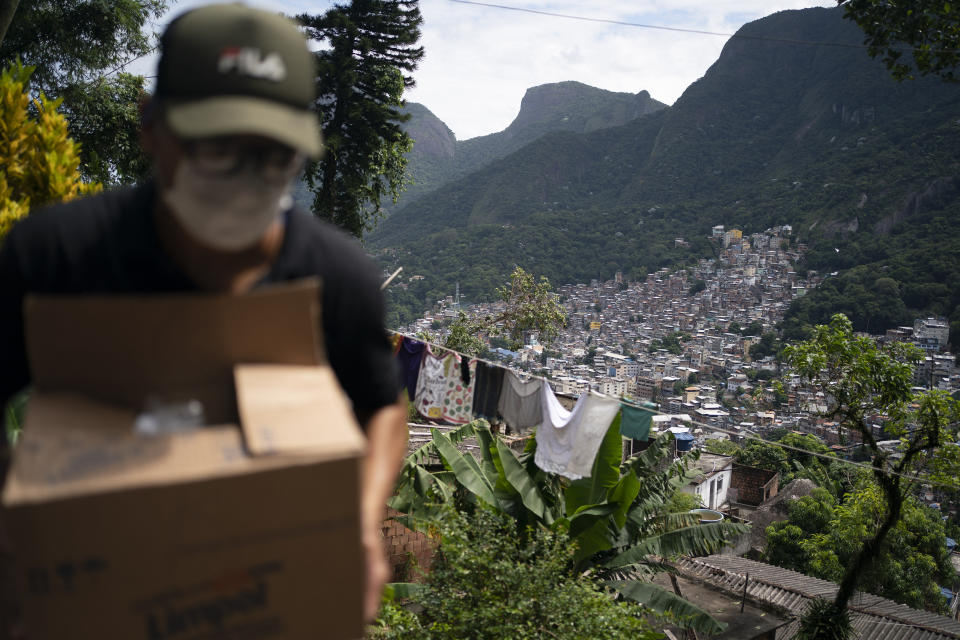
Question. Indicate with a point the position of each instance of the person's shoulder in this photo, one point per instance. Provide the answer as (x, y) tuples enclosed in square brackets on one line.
[(78, 220), (330, 250)]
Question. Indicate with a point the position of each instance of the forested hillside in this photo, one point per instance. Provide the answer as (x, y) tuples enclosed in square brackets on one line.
[(780, 130)]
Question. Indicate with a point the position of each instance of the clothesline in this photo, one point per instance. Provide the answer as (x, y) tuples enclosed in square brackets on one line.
[(448, 385), (498, 365), (627, 403)]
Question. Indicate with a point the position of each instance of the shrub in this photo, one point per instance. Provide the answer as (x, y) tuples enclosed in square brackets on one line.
[(38, 160), (487, 582)]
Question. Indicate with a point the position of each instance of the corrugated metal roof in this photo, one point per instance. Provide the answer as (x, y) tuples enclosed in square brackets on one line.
[(873, 617)]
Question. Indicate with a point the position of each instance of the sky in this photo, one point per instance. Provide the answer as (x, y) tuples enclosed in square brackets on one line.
[(479, 60)]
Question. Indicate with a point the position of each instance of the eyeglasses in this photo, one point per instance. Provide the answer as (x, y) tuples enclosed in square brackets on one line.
[(228, 156)]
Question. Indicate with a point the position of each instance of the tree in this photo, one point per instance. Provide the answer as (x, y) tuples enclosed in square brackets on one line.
[(768, 346), (362, 73), (529, 305), (755, 328), (722, 447), (807, 442), (38, 160), (75, 46), (487, 582), (808, 515), (670, 342), (756, 453), (104, 117), (821, 537), (865, 379), (928, 29), (464, 336)]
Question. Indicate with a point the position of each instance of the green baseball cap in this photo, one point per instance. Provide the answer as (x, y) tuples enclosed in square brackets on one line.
[(230, 69)]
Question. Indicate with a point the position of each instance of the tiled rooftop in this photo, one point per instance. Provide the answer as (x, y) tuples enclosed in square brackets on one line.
[(873, 617)]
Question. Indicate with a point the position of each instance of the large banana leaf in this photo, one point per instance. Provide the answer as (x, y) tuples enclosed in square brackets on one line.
[(465, 468), (671, 521), (508, 499), (521, 481), (605, 474), (487, 453), (697, 540), (599, 527), (663, 601), (622, 495), (587, 516), (420, 492), (422, 455), (590, 529)]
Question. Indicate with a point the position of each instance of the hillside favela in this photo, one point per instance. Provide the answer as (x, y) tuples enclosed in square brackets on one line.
[(282, 356), (691, 251)]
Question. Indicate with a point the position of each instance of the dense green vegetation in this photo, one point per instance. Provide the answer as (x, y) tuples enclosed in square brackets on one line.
[(788, 462), (929, 27), (822, 535), (487, 582), (75, 47), (886, 280), (619, 519), (865, 379), (817, 137)]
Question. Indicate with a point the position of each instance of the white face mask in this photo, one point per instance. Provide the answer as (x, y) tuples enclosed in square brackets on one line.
[(228, 212)]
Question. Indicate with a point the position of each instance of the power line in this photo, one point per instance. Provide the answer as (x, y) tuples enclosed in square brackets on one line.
[(130, 61), (742, 36), (824, 456)]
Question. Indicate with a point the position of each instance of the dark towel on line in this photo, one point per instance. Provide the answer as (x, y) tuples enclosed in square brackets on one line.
[(486, 391), (409, 358)]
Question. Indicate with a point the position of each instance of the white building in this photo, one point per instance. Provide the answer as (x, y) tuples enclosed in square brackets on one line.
[(713, 480)]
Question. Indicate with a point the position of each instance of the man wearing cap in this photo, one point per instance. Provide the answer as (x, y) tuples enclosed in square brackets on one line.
[(228, 130)]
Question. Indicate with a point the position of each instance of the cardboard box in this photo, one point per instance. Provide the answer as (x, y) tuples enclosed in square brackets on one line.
[(245, 529)]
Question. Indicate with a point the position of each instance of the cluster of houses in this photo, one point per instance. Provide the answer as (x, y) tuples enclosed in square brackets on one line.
[(697, 344), (693, 340), (684, 341)]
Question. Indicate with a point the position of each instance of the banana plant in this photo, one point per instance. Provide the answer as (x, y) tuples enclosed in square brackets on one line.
[(617, 517)]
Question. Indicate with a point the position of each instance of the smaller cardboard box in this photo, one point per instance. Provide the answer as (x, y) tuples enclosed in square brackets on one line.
[(245, 528)]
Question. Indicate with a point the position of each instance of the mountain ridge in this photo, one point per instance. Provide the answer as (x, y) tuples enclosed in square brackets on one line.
[(775, 132), (437, 158)]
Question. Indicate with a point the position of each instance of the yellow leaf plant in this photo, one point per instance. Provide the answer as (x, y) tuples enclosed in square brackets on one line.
[(38, 159)]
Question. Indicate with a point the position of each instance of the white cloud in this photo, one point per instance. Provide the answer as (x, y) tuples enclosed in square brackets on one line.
[(479, 61)]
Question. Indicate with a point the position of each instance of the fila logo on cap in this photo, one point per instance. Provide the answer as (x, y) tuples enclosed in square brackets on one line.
[(250, 61)]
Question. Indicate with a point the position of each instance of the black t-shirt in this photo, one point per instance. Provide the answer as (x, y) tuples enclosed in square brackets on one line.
[(108, 244)]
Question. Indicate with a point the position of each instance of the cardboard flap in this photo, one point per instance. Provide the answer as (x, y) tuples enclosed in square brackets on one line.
[(72, 445), (127, 349), (291, 409)]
